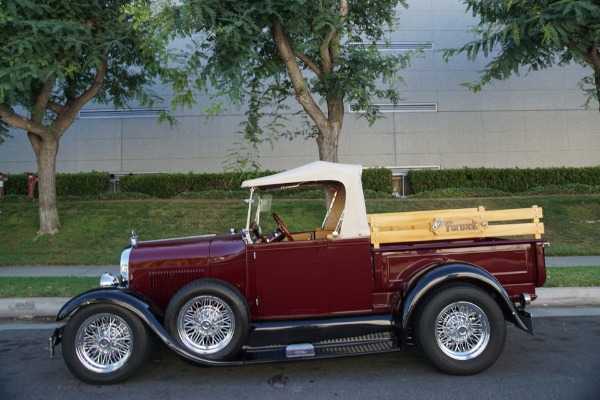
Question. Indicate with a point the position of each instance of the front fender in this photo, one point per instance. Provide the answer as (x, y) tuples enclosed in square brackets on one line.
[(139, 306), (458, 272)]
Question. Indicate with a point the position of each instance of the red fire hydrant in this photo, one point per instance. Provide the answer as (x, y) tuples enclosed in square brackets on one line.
[(3, 179), (31, 180)]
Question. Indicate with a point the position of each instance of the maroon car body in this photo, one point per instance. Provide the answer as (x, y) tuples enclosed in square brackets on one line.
[(245, 297), (324, 277)]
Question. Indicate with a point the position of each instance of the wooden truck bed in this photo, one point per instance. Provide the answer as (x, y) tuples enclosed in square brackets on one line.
[(465, 223)]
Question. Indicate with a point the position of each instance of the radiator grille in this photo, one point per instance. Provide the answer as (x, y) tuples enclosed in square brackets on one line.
[(167, 283)]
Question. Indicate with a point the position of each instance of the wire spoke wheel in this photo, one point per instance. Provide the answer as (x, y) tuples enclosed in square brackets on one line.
[(104, 343), (462, 330), (206, 324)]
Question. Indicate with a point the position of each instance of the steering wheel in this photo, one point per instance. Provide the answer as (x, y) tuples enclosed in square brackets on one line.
[(283, 228)]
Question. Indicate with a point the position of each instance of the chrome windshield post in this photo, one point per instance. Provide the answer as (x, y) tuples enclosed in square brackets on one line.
[(249, 200)]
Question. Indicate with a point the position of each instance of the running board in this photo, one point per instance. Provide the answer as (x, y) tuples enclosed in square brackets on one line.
[(369, 344)]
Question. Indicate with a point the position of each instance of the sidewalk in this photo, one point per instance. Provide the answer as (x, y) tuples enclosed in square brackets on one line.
[(48, 307)]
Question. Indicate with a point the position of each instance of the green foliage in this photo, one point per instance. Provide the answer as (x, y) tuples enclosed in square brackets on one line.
[(228, 184), (377, 180), (232, 50), (81, 184), (89, 183), (537, 35), (64, 43), (58, 55), (172, 185), (503, 179), (571, 188), (16, 198), (460, 193)]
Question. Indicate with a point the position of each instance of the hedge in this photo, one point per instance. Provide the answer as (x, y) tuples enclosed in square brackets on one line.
[(80, 184), (374, 180), (377, 180), (172, 185), (504, 179)]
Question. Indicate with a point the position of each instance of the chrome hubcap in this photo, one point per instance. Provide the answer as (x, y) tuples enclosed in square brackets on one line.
[(206, 324), (462, 331), (104, 343)]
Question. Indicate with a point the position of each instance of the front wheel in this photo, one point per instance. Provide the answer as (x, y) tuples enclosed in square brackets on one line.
[(460, 329), (104, 344)]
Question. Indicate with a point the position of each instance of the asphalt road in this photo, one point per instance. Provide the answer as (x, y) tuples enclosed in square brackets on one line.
[(562, 361)]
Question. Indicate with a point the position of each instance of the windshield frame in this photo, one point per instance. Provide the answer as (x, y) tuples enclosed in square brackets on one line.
[(259, 202)]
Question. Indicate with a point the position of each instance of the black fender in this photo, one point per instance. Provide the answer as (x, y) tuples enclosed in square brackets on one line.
[(457, 272), (141, 307)]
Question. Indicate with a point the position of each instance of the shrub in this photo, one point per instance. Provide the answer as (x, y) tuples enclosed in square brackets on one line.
[(504, 179), (377, 180), (171, 185), (80, 184), (572, 188)]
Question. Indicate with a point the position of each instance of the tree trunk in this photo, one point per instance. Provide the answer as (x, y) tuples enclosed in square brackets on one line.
[(46, 149), (329, 133), (327, 142)]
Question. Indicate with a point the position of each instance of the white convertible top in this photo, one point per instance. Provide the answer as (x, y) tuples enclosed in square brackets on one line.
[(349, 175)]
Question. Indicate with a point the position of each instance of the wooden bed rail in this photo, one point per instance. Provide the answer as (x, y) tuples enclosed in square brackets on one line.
[(461, 223)]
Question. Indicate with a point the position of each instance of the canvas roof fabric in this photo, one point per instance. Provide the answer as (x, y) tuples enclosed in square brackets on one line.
[(355, 214)]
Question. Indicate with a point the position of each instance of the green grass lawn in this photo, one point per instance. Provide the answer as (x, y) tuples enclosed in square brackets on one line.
[(70, 286), (46, 286), (95, 232)]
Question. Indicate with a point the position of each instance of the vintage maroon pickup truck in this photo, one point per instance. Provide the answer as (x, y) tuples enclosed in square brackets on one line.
[(445, 280)]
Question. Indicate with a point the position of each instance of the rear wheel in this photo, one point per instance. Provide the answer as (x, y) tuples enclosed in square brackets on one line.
[(104, 344), (210, 318), (460, 329)]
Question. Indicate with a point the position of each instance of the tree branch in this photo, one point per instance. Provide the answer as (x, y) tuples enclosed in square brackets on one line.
[(326, 59), (55, 107), (309, 63), (70, 109), (329, 49), (288, 57), (42, 99), (13, 119)]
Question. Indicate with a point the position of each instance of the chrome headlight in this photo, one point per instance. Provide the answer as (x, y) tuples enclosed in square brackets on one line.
[(124, 267), (108, 280)]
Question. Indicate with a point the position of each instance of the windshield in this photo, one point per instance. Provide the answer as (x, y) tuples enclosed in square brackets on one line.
[(259, 215), (320, 214)]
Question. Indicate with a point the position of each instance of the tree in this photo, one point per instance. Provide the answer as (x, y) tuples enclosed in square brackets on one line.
[(260, 53), (537, 34), (56, 56)]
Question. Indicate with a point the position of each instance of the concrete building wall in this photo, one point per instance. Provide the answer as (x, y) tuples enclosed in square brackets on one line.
[(532, 120)]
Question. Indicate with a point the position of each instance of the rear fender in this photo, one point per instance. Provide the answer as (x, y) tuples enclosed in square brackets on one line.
[(142, 308), (457, 272)]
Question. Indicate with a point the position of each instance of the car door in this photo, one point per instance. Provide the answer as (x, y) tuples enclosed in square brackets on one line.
[(292, 278), (312, 278)]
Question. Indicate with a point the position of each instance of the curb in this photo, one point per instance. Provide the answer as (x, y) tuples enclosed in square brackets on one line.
[(31, 307), (35, 307), (567, 297)]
